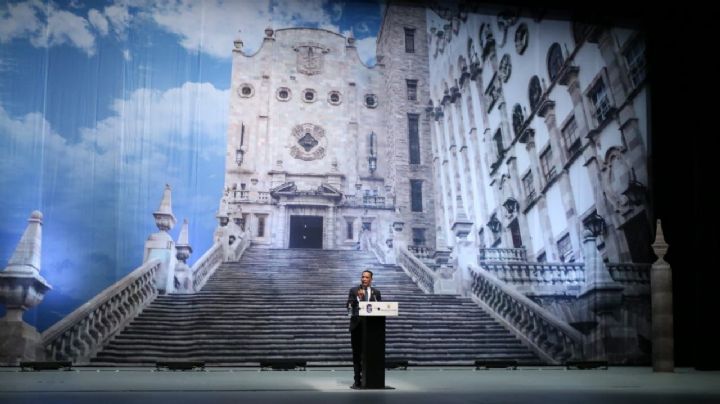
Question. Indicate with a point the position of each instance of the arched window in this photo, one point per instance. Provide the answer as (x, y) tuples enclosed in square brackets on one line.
[(534, 92), (554, 61)]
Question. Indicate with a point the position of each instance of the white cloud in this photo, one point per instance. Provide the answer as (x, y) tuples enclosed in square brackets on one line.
[(98, 21), (211, 26), (126, 54), (337, 10), (362, 28), (119, 18), (45, 25), (367, 48), (19, 20)]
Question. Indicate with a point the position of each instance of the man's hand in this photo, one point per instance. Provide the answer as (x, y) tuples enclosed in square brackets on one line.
[(361, 293)]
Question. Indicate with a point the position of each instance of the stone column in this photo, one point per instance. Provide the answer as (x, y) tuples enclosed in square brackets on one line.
[(662, 307), (184, 277), (21, 288), (161, 246)]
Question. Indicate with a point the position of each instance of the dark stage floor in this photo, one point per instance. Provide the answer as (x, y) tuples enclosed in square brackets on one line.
[(331, 385)]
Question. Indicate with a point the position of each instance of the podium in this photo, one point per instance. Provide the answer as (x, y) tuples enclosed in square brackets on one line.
[(372, 321)]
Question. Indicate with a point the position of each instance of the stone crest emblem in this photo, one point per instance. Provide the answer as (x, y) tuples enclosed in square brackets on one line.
[(310, 57), (308, 142)]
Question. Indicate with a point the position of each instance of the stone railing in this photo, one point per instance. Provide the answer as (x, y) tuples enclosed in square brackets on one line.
[(250, 196), (421, 251), (553, 339), (630, 273), (378, 251), (419, 272), (82, 333), (371, 202), (502, 254), (206, 266), (537, 274)]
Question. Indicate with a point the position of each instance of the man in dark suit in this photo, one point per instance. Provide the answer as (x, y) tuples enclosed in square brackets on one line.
[(357, 294)]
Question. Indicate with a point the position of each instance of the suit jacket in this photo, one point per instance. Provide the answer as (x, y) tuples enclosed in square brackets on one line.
[(352, 303)]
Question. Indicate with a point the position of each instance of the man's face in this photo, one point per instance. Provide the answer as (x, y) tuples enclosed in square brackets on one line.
[(366, 279)]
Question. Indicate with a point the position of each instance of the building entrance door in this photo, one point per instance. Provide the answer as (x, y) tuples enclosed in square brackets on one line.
[(306, 231)]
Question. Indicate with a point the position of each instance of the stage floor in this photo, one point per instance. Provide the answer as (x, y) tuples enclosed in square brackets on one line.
[(331, 385)]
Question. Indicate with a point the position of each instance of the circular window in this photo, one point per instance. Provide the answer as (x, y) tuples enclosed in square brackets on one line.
[(246, 90), (283, 94), (371, 100), (334, 98), (309, 95)]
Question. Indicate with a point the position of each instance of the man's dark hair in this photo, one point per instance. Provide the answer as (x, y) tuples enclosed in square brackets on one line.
[(368, 271)]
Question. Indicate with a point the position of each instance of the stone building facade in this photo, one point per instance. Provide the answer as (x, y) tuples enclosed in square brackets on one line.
[(319, 144), (540, 132)]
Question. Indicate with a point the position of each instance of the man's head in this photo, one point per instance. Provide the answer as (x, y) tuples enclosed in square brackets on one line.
[(366, 278)]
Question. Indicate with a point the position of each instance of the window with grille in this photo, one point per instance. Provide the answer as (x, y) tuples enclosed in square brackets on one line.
[(570, 136), (409, 40), (601, 102), (528, 186), (411, 90), (635, 57), (565, 249), (413, 139), (546, 164), (416, 195)]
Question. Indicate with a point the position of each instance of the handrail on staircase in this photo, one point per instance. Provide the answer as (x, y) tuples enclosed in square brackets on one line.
[(83, 332), (420, 273), (553, 339)]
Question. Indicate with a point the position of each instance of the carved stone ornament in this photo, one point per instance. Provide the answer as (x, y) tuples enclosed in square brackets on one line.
[(505, 20), (308, 142), (310, 57), (521, 39), (505, 68)]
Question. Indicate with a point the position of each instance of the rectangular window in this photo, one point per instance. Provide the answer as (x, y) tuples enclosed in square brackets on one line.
[(243, 224), (416, 195), (528, 186), (546, 164), (350, 233), (418, 236), (570, 137), (413, 138), (409, 40), (411, 90), (635, 57), (601, 102), (261, 226), (565, 249)]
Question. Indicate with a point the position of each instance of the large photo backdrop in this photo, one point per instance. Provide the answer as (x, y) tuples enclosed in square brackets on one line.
[(196, 152)]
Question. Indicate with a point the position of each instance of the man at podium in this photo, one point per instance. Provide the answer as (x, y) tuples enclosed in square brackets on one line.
[(361, 293)]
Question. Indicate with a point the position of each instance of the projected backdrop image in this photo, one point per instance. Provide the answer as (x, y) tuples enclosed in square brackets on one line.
[(192, 162)]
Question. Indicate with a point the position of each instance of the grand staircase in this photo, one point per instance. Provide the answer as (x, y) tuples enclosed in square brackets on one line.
[(290, 304)]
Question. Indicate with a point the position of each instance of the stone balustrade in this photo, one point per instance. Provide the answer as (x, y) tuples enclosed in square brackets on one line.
[(537, 274), (379, 253), (368, 201), (419, 272), (421, 252), (206, 265), (83, 332), (630, 273), (250, 196), (502, 254), (555, 340)]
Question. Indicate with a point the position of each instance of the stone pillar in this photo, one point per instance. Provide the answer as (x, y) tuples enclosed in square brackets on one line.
[(600, 300), (184, 277), (662, 307), (462, 255), (21, 288), (161, 246)]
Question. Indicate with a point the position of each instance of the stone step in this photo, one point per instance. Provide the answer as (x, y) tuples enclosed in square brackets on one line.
[(254, 310)]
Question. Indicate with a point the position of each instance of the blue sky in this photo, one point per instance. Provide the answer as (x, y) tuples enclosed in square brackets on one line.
[(104, 102)]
